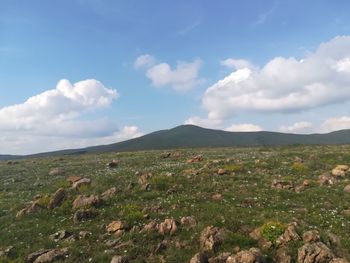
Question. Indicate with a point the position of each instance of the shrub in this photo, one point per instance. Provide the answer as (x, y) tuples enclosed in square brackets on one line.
[(272, 230)]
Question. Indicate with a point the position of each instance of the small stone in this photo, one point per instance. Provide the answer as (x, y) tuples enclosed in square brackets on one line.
[(56, 171), (72, 179), (114, 226), (167, 227), (83, 215), (188, 221), (217, 197), (82, 182), (108, 194), (83, 201), (221, 171), (252, 255), (195, 159), (311, 236), (347, 189), (60, 235), (211, 238), (113, 164), (340, 170), (199, 258), (119, 259)]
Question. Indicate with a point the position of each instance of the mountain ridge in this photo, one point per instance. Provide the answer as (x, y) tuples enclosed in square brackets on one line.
[(191, 136)]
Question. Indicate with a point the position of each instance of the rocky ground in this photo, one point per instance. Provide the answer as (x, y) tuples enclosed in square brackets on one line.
[(230, 205)]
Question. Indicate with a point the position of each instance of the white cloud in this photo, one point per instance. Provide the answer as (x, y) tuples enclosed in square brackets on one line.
[(297, 127), (285, 84), (236, 63), (144, 61), (334, 124), (52, 120), (202, 122), (181, 78), (243, 127)]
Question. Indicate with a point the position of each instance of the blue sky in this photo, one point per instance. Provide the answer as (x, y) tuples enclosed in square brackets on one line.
[(272, 54)]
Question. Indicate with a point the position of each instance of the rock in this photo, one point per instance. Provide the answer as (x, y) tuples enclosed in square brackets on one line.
[(211, 238), (82, 182), (339, 260), (113, 164), (119, 259), (221, 171), (57, 199), (315, 252), (150, 227), (311, 236), (188, 221), (85, 201), (340, 170), (326, 179), (7, 252), (306, 183), (33, 208), (282, 256), (83, 215), (47, 255), (144, 181), (346, 212), (199, 258), (166, 155), (72, 179), (347, 189), (281, 184), (252, 255), (115, 226), (220, 258), (217, 197), (56, 171), (60, 235), (334, 240), (290, 234), (167, 227), (195, 159), (84, 234), (256, 234), (108, 194)]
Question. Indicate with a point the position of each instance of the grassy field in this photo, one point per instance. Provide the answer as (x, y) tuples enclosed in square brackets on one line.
[(244, 201)]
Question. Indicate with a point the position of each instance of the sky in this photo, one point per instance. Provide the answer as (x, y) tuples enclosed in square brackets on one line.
[(75, 73)]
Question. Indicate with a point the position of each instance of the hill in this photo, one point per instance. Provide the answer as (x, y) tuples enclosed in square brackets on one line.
[(190, 136)]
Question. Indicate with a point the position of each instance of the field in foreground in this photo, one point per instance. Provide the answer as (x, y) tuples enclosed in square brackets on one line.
[(166, 207)]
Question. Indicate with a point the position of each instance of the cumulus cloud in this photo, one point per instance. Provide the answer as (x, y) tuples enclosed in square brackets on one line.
[(243, 127), (181, 78), (53, 120), (236, 63), (297, 127), (285, 84), (144, 61), (335, 124)]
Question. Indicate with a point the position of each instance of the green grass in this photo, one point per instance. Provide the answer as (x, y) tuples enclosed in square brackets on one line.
[(248, 200)]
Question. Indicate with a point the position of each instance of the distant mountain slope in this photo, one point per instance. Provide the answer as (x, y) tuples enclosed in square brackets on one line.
[(190, 136)]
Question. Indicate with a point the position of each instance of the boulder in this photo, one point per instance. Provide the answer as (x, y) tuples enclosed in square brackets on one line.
[(282, 256), (82, 182), (211, 238), (311, 236), (85, 201), (290, 234), (340, 170), (252, 255), (47, 255), (108, 194), (57, 199), (195, 159), (199, 258), (119, 259), (315, 252), (83, 215), (32, 208), (115, 226), (169, 226)]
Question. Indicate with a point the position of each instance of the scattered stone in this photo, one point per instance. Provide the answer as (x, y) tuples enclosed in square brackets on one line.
[(57, 199), (282, 256), (82, 182), (326, 179), (109, 193), (166, 155), (315, 252), (188, 221), (60, 235), (85, 201), (195, 159), (83, 215), (72, 179), (119, 259), (211, 238), (311, 236), (117, 227), (290, 234), (33, 208), (340, 170), (217, 197), (252, 255), (199, 258), (281, 184), (169, 226), (56, 171), (347, 189), (47, 255), (221, 171), (113, 164)]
